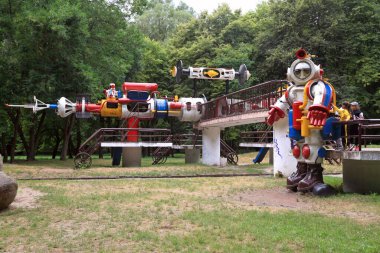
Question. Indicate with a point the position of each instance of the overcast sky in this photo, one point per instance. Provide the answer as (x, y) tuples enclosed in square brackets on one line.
[(210, 5)]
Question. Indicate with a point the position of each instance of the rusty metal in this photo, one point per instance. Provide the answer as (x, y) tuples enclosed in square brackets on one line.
[(257, 136), (368, 129), (160, 154), (256, 98), (92, 144), (227, 152)]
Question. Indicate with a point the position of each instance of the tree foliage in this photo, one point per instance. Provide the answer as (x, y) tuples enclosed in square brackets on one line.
[(62, 48)]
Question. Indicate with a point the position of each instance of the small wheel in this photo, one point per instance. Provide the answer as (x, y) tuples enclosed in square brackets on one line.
[(82, 161), (155, 159), (163, 160), (232, 158)]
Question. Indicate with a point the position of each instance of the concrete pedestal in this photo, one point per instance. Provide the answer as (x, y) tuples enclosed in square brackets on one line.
[(283, 160), (211, 146), (132, 157), (270, 155), (361, 171), (192, 155)]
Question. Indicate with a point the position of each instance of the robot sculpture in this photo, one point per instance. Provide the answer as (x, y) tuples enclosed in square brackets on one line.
[(309, 103)]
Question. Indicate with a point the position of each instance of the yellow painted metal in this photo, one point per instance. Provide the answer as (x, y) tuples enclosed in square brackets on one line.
[(211, 73), (110, 112), (305, 131)]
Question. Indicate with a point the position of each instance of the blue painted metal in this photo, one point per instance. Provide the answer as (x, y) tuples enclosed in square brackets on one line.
[(331, 130), (161, 108), (137, 95), (293, 133), (116, 155), (53, 106), (322, 152), (260, 156)]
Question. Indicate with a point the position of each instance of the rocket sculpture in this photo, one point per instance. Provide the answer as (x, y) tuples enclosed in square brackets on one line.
[(140, 101), (210, 73), (308, 102), (135, 100)]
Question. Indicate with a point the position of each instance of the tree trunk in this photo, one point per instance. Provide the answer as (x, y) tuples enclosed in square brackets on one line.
[(56, 146), (66, 136), (34, 135), (4, 148), (13, 146), (71, 147), (15, 118), (79, 138)]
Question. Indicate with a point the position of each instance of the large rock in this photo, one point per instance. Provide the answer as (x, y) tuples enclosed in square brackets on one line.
[(8, 188)]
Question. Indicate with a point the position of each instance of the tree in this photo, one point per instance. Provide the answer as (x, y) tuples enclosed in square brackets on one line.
[(162, 19)]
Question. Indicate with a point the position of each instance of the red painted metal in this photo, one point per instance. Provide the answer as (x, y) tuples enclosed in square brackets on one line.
[(296, 151), (175, 105), (133, 135), (306, 151), (297, 114), (140, 87)]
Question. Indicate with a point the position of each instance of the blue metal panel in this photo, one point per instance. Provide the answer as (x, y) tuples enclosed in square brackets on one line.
[(293, 133), (137, 95), (161, 108)]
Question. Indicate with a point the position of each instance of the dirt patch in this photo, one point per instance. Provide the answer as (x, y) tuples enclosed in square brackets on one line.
[(27, 198), (280, 198)]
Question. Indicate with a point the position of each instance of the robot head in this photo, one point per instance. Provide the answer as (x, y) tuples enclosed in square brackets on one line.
[(303, 69)]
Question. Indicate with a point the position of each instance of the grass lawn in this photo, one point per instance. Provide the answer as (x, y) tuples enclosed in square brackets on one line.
[(244, 214)]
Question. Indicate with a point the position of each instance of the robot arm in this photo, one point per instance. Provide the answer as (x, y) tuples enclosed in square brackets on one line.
[(322, 95), (278, 110)]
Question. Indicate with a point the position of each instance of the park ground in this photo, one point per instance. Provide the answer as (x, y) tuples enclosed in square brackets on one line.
[(229, 214)]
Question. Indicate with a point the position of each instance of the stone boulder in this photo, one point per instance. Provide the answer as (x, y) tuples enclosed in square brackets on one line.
[(8, 188)]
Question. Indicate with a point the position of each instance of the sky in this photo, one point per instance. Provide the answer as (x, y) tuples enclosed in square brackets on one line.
[(210, 5)]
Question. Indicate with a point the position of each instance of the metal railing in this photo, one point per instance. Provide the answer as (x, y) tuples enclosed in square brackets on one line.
[(152, 135), (257, 136), (360, 132), (255, 98)]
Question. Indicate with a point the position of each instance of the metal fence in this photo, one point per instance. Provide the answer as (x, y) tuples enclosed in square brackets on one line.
[(257, 136), (362, 132)]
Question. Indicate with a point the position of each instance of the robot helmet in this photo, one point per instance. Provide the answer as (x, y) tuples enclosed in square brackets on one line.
[(303, 69)]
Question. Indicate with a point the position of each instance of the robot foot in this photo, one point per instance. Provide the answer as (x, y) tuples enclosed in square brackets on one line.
[(323, 190), (313, 177), (294, 179)]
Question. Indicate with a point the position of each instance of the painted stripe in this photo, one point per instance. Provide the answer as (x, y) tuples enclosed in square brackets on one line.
[(308, 89), (327, 95)]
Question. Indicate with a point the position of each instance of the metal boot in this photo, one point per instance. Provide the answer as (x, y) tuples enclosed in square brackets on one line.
[(296, 177), (313, 177)]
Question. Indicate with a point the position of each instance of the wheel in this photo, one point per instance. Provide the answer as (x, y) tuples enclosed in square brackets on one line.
[(232, 158), (82, 161)]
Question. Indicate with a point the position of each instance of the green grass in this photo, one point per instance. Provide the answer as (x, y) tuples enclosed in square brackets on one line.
[(185, 215), (46, 167)]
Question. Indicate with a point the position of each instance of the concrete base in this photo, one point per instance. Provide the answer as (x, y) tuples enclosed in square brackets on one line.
[(284, 160), (192, 155), (361, 172), (270, 156), (211, 146), (132, 157)]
